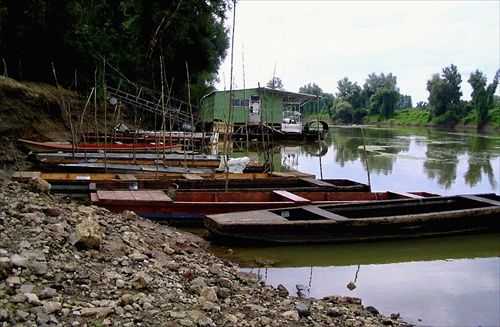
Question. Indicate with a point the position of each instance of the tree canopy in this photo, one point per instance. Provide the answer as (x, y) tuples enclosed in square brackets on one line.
[(322, 106), (275, 83), (482, 95), (379, 96), (135, 38)]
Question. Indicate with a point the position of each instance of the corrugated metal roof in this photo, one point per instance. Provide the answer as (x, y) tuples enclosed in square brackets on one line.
[(288, 97)]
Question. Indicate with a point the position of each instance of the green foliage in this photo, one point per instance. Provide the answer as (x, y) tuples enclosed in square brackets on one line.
[(449, 118), (321, 116), (453, 79), (275, 83), (379, 98), (494, 114), (342, 111), (371, 119), (494, 117), (405, 102), (325, 101), (444, 93), (358, 115), (482, 96), (142, 40), (470, 119), (350, 92), (384, 102), (374, 83), (412, 117), (422, 105)]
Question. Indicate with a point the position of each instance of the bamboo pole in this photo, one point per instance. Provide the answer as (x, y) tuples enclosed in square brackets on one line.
[(366, 157), (319, 138), (67, 110), (231, 97)]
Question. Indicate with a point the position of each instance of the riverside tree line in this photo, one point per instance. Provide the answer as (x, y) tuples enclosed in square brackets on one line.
[(179, 46), (379, 99)]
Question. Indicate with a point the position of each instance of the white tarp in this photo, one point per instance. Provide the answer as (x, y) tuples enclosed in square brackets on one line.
[(235, 165)]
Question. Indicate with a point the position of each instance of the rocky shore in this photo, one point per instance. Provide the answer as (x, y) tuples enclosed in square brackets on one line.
[(64, 264)]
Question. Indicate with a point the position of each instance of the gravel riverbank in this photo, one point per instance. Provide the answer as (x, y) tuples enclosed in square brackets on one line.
[(64, 264)]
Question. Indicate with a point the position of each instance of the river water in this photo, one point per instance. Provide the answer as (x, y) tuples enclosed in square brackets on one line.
[(442, 281)]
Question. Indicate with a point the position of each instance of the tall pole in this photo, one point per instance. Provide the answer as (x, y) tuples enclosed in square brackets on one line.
[(231, 96)]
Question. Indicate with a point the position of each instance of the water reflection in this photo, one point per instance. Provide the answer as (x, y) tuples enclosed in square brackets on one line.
[(442, 281), (442, 162), (457, 292), (372, 253)]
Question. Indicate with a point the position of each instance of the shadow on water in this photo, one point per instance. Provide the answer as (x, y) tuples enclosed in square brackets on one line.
[(424, 249), (441, 281)]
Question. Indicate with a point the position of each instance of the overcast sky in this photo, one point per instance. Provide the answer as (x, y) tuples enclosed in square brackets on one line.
[(321, 42)]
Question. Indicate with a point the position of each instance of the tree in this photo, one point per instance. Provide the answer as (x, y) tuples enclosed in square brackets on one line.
[(453, 79), (381, 94), (482, 96), (311, 89), (326, 104), (444, 96), (275, 83), (342, 111), (405, 102), (137, 39), (350, 92), (325, 101), (422, 105), (438, 95), (384, 102)]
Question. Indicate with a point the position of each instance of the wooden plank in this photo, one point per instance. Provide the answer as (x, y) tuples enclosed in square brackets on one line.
[(191, 176), (291, 197), (323, 213), (124, 196), (159, 196), (127, 177), (406, 195), (106, 195), (94, 198), (280, 174), (141, 196), (481, 199), (25, 175), (300, 174), (316, 182)]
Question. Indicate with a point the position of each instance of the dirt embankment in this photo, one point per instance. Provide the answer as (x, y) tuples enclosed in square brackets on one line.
[(31, 111), (42, 112)]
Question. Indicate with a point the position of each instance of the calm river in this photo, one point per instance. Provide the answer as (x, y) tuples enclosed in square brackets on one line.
[(447, 281)]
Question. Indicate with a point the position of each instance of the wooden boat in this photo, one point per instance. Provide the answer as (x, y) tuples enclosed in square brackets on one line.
[(155, 136), (80, 184), (173, 156), (308, 184), (103, 167), (92, 147), (190, 207), (85, 177), (143, 162), (375, 220), (167, 161)]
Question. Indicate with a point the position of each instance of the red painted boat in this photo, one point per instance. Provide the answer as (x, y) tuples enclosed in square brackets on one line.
[(92, 147), (190, 207)]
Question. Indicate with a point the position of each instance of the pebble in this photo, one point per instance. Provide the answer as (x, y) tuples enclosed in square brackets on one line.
[(64, 264)]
